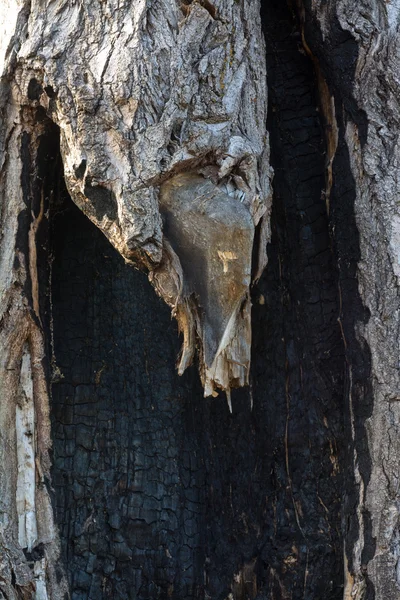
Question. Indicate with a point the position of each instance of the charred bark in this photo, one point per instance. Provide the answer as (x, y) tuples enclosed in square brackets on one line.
[(151, 121)]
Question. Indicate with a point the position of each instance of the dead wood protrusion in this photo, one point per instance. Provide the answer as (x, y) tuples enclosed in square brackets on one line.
[(205, 277)]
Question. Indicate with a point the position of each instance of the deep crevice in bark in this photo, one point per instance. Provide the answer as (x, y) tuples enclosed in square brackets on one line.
[(338, 54), (306, 361)]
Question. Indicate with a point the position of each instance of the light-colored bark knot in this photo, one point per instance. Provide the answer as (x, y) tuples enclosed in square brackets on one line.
[(205, 276)]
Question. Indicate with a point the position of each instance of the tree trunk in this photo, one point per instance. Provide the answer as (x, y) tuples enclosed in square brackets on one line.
[(142, 135)]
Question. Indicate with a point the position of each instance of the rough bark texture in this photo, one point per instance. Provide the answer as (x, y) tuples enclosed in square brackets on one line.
[(142, 94), (154, 116)]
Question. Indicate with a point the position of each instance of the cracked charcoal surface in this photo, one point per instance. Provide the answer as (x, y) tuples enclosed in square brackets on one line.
[(161, 493), (301, 376), (128, 487)]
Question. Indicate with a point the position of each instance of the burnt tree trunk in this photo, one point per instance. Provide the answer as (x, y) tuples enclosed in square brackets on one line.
[(192, 140)]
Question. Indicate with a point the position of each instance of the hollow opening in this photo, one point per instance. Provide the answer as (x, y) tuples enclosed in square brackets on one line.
[(125, 475)]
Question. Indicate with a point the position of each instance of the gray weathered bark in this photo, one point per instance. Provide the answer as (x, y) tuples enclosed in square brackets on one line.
[(161, 108), (138, 98)]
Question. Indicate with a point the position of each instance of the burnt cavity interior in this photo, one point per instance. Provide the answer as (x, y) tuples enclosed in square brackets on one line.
[(160, 493)]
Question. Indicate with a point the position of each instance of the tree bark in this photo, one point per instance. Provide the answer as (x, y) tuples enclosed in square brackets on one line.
[(143, 135), (357, 47)]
